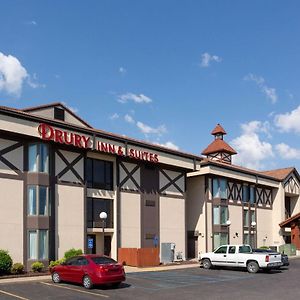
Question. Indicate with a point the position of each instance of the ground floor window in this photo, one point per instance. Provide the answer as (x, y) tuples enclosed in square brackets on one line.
[(38, 244), (220, 238)]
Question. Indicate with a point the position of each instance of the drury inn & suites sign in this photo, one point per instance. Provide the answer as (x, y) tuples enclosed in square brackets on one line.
[(49, 133)]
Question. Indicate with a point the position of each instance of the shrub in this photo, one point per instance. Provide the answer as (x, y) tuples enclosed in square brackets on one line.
[(5, 262), (37, 266), (72, 252), (54, 263), (17, 268), (264, 247)]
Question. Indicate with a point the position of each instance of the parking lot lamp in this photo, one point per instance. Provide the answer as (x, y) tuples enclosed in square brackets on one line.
[(103, 217)]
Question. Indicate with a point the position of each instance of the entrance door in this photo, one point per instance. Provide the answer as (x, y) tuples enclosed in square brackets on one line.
[(193, 247), (91, 244), (107, 245)]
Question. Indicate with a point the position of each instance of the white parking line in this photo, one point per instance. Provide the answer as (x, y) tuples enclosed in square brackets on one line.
[(13, 295), (76, 290)]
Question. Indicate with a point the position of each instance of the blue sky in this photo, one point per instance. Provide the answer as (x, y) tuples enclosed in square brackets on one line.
[(163, 71)]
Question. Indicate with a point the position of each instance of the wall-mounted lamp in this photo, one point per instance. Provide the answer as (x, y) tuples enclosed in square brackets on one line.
[(228, 222), (253, 224)]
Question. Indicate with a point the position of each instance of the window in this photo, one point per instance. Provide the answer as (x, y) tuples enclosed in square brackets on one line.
[(244, 249), (150, 203), (99, 174), (231, 250), (59, 114), (219, 188), (221, 250), (103, 260), (246, 193), (220, 215), (220, 238), (94, 207), (246, 218), (38, 244), (252, 195), (38, 200), (38, 158)]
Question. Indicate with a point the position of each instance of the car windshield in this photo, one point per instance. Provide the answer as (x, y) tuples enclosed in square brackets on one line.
[(102, 260)]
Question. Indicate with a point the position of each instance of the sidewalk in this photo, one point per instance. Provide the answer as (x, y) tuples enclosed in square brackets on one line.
[(128, 270)]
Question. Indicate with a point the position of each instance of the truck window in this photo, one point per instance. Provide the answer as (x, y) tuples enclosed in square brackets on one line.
[(222, 249), (231, 249), (244, 249)]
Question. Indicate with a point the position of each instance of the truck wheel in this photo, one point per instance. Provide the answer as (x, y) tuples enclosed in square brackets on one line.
[(252, 267), (206, 263)]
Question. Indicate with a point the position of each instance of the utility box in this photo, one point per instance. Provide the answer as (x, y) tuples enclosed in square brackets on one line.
[(288, 249), (167, 253)]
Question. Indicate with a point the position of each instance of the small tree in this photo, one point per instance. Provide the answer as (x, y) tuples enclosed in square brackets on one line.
[(5, 262), (72, 252)]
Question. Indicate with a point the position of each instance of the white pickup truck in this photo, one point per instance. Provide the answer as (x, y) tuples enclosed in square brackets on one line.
[(240, 256)]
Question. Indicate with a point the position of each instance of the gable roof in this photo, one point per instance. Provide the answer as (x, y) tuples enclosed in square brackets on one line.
[(289, 220), (280, 174), (55, 104), (218, 129), (218, 146)]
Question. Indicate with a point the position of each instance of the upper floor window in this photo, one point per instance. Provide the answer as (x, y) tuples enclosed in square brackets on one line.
[(220, 188), (248, 194), (37, 200), (38, 158), (99, 174), (94, 207)]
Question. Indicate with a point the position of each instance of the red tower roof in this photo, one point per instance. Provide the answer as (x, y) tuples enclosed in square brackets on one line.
[(218, 130), (218, 146)]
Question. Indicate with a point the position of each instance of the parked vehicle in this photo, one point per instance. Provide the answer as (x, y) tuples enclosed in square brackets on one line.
[(284, 257), (89, 270), (240, 256)]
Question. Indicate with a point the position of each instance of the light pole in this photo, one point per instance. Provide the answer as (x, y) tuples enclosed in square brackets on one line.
[(103, 217)]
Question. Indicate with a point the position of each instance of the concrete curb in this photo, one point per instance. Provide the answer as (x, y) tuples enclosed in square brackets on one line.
[(128, 270)]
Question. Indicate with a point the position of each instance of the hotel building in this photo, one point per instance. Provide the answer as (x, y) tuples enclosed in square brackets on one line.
[(57, 173)]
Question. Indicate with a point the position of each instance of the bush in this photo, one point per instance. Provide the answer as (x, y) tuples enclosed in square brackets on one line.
[(72, 252), (37, 266), (264, 247), (54, 263), (17, 268), (5, 262)]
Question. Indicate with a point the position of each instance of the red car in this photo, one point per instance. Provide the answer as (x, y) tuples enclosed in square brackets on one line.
[(89, 270)]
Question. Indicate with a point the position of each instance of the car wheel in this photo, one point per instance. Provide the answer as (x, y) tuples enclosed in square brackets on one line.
[(87, 282), (56, 277), (252, 267), (206, 263)]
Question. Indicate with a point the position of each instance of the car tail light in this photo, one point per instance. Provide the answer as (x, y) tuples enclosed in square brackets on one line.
[(102, 269), (267, 258)]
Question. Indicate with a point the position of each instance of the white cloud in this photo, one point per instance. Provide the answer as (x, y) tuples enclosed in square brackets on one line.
[(169, 144), (289, 122), (269, 92), (287, 152), (122, 70), (34, 23), (134, 97), (114, 116), (207, 58), (129, 119), (146, 129), (32, 82), (252, 151), (12, 75), (72, 109)]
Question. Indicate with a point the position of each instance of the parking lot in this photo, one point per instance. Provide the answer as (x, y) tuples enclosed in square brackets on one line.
[(189, 283)]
